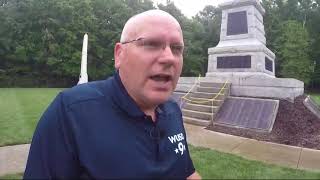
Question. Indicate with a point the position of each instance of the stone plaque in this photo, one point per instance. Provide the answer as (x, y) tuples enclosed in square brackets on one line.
[(256, 114), (237, 23), (233, 62), (268, 64)]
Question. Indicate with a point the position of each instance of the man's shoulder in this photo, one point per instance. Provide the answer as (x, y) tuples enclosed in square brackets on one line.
[(94, 90)]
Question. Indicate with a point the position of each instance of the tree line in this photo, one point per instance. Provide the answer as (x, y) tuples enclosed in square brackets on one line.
[(41, 40)]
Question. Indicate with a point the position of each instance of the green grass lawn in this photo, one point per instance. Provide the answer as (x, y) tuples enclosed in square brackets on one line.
[(316, 98), (216, 165), (20, 110), (12, 176)]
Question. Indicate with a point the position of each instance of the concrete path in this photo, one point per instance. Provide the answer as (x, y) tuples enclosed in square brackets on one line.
[(13, 158), (290, 156)]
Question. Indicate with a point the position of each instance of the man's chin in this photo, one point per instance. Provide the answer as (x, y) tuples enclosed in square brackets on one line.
[(159, 98)]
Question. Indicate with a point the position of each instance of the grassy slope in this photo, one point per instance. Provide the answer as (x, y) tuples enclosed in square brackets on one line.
[(20, 111), (216, 165), (316, 98), (12, 176)]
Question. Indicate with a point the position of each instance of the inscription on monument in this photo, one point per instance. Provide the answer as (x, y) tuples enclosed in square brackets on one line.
[(268, 64), (237, 23), (233, 62)]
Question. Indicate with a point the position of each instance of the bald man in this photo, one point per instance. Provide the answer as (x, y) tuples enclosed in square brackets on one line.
[(125, 126)]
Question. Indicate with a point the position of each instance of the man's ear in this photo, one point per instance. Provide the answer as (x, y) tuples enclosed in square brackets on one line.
[(118, 51)]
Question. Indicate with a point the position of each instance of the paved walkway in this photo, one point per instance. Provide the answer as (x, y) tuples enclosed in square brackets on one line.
[(290, 156), (13, 158)]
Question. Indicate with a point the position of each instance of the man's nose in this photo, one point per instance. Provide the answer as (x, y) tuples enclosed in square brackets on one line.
[(167, 55)]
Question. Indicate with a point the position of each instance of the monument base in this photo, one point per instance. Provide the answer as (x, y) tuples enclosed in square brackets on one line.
[(252, 57), (250, 85)]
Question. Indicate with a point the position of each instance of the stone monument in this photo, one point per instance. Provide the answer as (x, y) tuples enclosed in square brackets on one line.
[(240, 88), (242, 58), (242, 48)]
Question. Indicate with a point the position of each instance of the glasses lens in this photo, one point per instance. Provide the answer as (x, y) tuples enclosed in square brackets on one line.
[(152, 44), (177, 49), (157, 46)]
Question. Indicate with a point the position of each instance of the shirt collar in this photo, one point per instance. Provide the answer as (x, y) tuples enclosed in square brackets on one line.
[(123, 99)]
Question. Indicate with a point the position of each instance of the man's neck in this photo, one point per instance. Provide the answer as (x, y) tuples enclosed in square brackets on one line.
[(151, 112), (147, 109)]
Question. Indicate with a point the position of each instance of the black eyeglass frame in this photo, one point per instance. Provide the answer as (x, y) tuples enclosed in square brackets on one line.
[(127, 42), (142, 38)]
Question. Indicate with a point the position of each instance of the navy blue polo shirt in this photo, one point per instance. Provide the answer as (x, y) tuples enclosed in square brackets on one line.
[(96, 130)]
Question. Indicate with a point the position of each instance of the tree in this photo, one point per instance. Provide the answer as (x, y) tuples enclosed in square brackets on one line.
[(40, 42), (293, 51), (313, 27), (210, 19)]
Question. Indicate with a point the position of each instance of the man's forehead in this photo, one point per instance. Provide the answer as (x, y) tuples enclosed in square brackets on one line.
[(156, 27), (156, 15), (157, 22), (153, 13), (138, 23)]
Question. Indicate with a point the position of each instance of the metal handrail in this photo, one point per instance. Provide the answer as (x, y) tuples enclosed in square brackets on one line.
[(204, 101), (195, 83), (192, 87)]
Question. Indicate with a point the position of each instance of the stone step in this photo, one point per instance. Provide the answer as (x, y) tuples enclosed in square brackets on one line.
[(195, 121), (201, 108), (213, 84), (204, 101), (211, 90), (208, 95), (197, 114)]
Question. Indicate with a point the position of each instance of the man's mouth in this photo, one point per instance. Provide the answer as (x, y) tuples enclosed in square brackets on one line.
[(161, 77)]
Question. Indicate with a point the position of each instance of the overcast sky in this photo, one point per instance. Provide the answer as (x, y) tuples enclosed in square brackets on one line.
[(191, 7)]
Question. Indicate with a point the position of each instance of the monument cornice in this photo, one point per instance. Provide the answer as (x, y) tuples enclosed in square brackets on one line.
[(241, 49), (240, 3)]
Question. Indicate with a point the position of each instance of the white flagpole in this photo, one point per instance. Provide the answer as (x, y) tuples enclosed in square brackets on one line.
[(83, 78)]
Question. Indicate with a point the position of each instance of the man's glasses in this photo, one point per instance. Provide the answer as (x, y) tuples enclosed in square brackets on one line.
[(156, 46)]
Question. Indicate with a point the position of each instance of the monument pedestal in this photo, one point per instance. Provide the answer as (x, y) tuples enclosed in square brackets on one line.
[(260, 85), (242, 58), (242, 46)]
